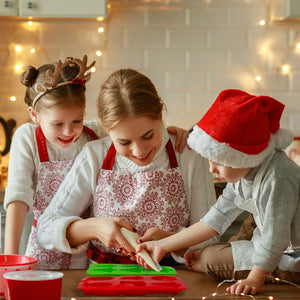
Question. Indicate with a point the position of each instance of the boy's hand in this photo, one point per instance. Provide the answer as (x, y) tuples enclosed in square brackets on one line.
[(245, 286), (153, 248), (252, 284)]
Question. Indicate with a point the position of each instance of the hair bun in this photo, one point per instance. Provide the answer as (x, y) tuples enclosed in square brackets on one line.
[(29, 76)]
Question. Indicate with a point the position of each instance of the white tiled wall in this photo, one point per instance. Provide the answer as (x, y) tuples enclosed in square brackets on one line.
[(191, 49)]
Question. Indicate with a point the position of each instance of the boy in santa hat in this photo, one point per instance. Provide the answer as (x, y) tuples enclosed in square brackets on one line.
[(241, 137)]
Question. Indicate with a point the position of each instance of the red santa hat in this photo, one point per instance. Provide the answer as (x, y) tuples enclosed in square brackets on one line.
[(240, 130)]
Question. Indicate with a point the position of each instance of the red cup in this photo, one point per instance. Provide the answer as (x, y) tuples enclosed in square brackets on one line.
[(33, 285), (9, 263)]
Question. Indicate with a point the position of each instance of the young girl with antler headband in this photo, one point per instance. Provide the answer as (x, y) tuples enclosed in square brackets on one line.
[(43, 153)]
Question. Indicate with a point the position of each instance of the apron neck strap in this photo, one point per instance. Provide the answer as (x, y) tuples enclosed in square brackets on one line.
[(42, 144), (111, 155)]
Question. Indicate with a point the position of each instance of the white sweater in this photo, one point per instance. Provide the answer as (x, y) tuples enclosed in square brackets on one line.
[(77, 190)]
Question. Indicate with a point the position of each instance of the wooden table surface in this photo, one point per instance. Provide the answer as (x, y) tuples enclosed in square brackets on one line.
[(199, 286)]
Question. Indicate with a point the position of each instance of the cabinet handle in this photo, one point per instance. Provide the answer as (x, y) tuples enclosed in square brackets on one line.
[(6, 4), (29, 5)]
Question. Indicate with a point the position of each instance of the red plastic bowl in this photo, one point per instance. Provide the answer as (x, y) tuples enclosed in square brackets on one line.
[(9, 263)]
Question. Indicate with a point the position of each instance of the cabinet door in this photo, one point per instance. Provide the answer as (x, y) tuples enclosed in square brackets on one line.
[(8, 7), (63, 8)]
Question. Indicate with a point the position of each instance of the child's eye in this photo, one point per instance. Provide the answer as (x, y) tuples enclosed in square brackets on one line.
[(124, 143), (58, 124), (77, 121)]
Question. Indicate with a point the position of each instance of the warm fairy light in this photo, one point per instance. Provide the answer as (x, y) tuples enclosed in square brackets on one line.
[(18, 48), (277, 279), (100, 29), (93, 69), (298, 46), (258, 78), (30, 23), (98, 53), (203, 298), (32, 51), (262, 22), (285, 69), (270, 298), (100, 19), (18, 67), (214, 294), (13, 98)]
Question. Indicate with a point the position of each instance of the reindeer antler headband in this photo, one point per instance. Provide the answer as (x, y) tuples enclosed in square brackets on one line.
[(82, 77)]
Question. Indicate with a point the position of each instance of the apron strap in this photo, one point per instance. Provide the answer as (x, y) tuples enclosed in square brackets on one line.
[(171, 154), (41, 144), (111, 154), (110, 158), (90, 132)]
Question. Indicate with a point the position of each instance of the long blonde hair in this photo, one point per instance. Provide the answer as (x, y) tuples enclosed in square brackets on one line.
[(127, 93)]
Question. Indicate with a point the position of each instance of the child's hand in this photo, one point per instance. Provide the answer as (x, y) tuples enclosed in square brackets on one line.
[(153, 248), (181, 137), (245, 286)]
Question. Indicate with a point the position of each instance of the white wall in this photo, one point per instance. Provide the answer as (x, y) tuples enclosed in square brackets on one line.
[(191, 49)]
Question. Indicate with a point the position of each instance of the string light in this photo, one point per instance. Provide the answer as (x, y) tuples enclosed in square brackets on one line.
[(258, 78), (262, 22), (29, 23), (285, 69), (100, 19), (100, 29), (12, 98), (32, 51), (216, 294), (98, 53), (93, 69), (18, 48), (18, 67)]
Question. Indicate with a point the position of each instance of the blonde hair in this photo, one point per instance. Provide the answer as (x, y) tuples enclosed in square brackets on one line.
[(127, 93), (67, 95)]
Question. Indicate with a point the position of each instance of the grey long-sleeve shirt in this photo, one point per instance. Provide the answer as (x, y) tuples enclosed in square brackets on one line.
[(278, 204)]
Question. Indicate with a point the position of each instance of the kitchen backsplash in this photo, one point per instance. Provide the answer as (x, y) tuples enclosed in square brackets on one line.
[(191, 49)]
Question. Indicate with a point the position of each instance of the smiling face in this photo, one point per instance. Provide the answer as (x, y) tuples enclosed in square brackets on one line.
[(227, 173), (137, 138), (61, 125)]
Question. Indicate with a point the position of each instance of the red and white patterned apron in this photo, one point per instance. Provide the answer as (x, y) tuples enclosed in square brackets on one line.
[(148, 199), (50, 176)]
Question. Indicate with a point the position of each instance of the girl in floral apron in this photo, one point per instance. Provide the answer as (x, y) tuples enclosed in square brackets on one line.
[(43, 153), (241, 136), (133, 178)]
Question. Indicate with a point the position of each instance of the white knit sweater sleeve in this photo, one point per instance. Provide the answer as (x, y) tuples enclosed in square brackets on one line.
[(22, 168), (73, 196)]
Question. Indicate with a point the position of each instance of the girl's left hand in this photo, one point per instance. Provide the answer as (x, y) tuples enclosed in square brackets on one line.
[(245, 286), (181, 137)]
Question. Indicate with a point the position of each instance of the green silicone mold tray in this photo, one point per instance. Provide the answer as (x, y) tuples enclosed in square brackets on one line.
[(96, 270)]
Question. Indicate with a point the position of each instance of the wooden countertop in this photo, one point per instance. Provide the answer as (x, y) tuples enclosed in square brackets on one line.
[(199, 285)]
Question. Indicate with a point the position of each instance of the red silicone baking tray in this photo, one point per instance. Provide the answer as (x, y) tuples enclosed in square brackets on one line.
[(131, 285)]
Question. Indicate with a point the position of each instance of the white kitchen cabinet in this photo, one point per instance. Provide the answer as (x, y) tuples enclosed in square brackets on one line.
[(54, 8), (9, 7)]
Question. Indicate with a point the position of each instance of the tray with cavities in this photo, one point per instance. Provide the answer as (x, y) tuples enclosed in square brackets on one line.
[(97, 270), (131, 285)]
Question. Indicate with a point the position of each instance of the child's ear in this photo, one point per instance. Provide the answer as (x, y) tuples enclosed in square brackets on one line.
[(33, 114)]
